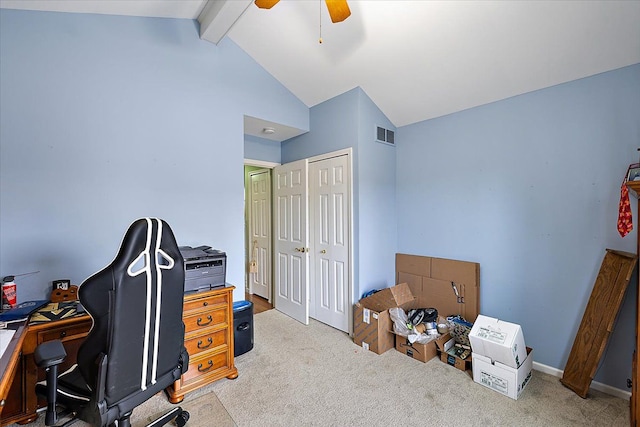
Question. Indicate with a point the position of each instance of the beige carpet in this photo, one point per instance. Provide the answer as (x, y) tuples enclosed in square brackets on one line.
[(314, 375), (203, 406)]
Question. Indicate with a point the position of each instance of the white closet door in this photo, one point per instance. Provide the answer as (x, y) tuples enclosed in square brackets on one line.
[(291, 240), (329, 188)]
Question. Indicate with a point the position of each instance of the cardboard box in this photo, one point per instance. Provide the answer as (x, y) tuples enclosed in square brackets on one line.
[(502, 378), (372, 325), (446, 349), (421, 352), (498, 340), (450, 358)]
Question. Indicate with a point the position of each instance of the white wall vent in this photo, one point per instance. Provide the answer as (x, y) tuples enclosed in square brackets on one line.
[(386, 136)]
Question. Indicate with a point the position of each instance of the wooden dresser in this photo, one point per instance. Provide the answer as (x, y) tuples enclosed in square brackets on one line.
[(22, 400), (634, 186), (208, 321)]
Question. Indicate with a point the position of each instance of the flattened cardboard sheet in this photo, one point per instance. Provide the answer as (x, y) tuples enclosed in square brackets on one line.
[(464, 272), (448, 298), (451, 286), (413, 264)]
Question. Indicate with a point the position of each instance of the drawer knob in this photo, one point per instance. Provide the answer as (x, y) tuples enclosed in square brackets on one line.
[(209, 340), (209, 366), (63, 334), (205, 303), (199, 322)]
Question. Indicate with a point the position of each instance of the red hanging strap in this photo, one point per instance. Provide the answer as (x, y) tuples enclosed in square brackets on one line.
[(625, 221)]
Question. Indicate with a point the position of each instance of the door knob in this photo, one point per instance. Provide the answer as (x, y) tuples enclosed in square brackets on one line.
[(324, 251), (301, 250)]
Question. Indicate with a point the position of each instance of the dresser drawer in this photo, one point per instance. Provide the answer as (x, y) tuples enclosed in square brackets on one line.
[(208, 323), (204, 303), (204, 366), (64, 333), (205, 342), (206, 319)]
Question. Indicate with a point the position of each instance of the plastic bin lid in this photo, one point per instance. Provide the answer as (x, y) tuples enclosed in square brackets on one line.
[(239, 305)]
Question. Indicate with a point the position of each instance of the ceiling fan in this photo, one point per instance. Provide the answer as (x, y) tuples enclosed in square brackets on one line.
[(338, 9)]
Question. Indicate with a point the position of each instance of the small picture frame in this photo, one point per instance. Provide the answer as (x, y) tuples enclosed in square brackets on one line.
[(62, 284)]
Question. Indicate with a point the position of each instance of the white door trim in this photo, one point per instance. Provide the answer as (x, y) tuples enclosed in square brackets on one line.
[(325, 156), (260, 163)]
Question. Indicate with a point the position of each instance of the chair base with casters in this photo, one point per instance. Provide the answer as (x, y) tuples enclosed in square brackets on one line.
[(71, 390)]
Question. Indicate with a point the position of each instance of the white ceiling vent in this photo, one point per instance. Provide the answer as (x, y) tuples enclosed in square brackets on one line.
[(386, 136)]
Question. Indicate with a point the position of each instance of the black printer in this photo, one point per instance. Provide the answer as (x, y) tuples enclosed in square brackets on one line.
[(204, 267)]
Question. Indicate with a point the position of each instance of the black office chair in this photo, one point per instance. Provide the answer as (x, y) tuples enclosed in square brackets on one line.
[(135, 347)]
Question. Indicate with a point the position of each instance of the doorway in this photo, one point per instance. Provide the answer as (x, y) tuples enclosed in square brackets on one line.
[(259, 231), (258, 248)]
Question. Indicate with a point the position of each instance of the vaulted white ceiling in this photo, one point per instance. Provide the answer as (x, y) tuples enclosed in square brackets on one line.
[(416, 59)]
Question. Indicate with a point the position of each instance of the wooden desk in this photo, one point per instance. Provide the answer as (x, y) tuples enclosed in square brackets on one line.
[(208, 318), (9, 360), (22, 401)]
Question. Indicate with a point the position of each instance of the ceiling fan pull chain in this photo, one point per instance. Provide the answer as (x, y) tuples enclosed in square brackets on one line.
[(320, 10)]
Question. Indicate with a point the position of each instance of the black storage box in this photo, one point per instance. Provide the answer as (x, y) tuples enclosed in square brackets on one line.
[(242, 327)]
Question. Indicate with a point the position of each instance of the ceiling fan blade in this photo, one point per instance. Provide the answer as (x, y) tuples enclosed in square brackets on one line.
[(338, 10), (266, 4)]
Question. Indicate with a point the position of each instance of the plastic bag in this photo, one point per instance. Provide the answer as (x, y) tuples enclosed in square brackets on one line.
[(400, 321)]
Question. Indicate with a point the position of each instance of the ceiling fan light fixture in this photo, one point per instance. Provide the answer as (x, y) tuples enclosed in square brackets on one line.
[(266, 4), (338, 10)]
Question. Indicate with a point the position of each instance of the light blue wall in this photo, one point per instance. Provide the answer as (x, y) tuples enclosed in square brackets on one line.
[(349, 120), (529, 188), (256, 148), (106, 119), (333, 125), (376, 199)]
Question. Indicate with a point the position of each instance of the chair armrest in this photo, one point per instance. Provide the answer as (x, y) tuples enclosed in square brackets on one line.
[(184, 360), (49, 353)]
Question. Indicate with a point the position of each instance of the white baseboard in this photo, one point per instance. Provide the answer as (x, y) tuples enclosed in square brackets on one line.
[(613, 391)]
